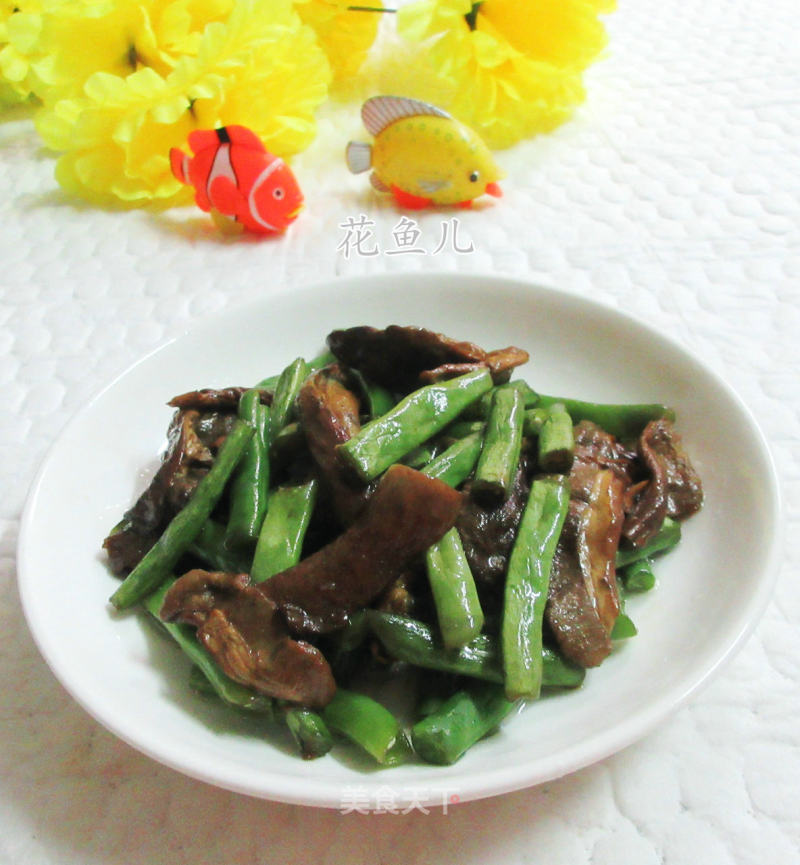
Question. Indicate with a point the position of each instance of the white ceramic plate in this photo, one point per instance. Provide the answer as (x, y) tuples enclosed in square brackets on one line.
[(710, 593)]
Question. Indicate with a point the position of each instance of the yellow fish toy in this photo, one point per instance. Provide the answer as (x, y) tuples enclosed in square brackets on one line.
[(422, 155)]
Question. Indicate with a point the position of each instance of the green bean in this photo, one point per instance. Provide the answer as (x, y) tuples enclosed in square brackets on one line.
[(378, 399), (667, 537), (455, 596), (317, 362), (534, 421), (481, 407), (623, 628), (556, 443), (454, 465), (413, 642), (638, 576), (162, 557), (286, 390), (309, 731), (369, 724), (502, 441), (226, 689), (420, 456), (287, 444), (447, 733), (198, 682), (411, 422), (621, 420), (526, 585), (209, 546), (250, 481), (280, 543), (460, 429)]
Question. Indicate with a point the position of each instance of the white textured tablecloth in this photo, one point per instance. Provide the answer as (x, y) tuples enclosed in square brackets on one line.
[(674, 194)]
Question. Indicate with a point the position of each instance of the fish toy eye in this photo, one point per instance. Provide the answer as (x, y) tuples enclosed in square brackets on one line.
[(474, 177), (277, 193)]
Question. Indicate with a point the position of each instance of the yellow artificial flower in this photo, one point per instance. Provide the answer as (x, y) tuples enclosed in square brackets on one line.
[(20, 25), (259, 67), (346, 33), (507, 68)]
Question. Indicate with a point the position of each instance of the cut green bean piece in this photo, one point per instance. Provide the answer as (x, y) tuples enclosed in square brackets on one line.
[(411, 422), (250, 481), (309, 731), (502, 441), (623, 628), (460, 429), (286, 390), (378, 399), (454, 465), (481, 407), (447, 733), (420, 456), (455, 595), (667, 537), (526, 586), (209, 547), (621, 420), (534, 421), (556, 443), (280, 543), (162, 557), (369, 724), (226, 689), (414, 642), (638, 576), (198, 682), (318, 362)]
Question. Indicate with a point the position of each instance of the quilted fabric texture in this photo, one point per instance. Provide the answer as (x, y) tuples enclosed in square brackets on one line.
[(674, 193)]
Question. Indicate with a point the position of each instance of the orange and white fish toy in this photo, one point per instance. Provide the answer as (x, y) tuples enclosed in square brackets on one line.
[(233, 173)]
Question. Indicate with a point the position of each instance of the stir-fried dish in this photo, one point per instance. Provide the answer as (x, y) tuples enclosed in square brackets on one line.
[(400, 507)]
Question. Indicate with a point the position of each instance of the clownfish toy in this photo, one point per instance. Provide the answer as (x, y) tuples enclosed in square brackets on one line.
[(233, 174), (422, 155)]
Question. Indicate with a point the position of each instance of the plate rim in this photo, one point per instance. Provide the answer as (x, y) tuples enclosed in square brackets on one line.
[(295, 790)]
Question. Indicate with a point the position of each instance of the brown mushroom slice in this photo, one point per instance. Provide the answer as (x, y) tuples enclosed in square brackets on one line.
[(488, 534), (502, 361), (329, 415), (595, 448), (599, 531), (447, 371), (673, 487), (570, 613), (215, 398), (405, 515), (191, 440), (244, 633), (583, 600), (400, 358)]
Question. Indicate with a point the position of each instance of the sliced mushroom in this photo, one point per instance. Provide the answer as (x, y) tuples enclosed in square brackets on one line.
[(329, 415), (244, 633), (399, 357), (405, 515), (673, 487)]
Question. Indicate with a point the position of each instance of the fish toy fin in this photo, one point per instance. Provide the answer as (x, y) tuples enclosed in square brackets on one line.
[(200, 139), (409, 200), (378, 184), (245, 137), (224, 195), (378, 112), (179, 163), (358, 156)]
